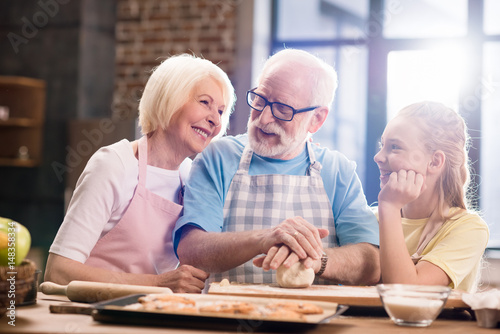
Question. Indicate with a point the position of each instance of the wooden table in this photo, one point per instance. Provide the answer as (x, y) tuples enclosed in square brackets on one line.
[(38, 319)]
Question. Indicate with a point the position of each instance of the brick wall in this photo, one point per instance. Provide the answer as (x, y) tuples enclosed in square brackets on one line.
[(148, 31)]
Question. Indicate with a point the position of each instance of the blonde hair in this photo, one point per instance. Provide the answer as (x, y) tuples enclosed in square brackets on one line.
[(322, 76), (171, 85), (444, 129)]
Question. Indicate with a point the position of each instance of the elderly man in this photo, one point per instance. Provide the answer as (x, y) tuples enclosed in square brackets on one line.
[(272, 192)]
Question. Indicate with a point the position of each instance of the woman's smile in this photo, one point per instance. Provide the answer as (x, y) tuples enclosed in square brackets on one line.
[(201, 132)]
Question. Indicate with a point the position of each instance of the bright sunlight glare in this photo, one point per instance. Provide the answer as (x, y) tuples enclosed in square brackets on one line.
[(418, 75)]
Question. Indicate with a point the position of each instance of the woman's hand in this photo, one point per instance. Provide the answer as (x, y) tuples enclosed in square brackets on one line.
[(184, 279)]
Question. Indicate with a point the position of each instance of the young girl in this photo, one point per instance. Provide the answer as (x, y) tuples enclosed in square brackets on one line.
[(428, 235)]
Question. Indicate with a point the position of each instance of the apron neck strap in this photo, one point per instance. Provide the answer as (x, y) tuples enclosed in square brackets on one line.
[(143, 159), (246, 158), (431, 228), (315, 166)]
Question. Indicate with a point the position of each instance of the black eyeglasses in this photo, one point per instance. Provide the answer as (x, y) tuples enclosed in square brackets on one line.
[(279, 110)]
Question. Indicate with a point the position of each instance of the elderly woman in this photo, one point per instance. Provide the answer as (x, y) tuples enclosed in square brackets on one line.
[(118, 227)]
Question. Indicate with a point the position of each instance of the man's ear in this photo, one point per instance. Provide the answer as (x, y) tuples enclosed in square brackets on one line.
[(318, 119), (437, 162)]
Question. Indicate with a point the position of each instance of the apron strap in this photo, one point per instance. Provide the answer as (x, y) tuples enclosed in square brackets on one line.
[(143, 167), (143, 159), (313, 170), (315, 166), (245, 160), (431, 228)]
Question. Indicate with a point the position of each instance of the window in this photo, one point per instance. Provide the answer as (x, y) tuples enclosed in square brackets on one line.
[(418, 75), (488, 95), (332, 30), (491, 22), (388, 56), (424, 18)]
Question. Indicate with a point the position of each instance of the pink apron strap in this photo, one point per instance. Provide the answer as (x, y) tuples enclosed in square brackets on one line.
[(143, 159)]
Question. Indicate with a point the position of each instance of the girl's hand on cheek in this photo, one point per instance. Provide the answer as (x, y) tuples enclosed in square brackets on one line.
[(403, 187)]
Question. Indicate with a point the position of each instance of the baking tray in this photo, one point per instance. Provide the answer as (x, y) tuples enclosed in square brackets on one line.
[(113, 311)]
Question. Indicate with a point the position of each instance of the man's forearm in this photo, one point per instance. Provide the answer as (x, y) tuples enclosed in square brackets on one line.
[(217, 252), (356, 264)]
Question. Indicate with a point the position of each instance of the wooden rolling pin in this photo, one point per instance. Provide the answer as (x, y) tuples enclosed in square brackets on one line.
[(90, 292)]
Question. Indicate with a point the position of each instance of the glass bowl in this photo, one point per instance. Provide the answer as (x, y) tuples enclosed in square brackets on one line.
[(413, 305)]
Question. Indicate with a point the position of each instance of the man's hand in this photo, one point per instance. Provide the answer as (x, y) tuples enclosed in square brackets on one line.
[(278, 256), (300, 236), (295, 239)]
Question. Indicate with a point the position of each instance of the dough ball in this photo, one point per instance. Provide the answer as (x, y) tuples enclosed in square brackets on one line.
[(297, 276)]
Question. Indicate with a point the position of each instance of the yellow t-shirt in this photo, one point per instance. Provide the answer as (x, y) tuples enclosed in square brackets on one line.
[(457, 248)]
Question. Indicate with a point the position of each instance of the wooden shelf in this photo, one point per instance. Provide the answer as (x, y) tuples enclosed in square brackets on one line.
[(23, 129), (22, 81), (20, 122), (14, 162)]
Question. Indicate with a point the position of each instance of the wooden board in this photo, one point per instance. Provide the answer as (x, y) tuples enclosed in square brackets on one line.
[(341, 294), (72, 308)]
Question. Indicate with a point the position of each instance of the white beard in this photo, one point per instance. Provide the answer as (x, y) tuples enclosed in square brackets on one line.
[(287, 143)]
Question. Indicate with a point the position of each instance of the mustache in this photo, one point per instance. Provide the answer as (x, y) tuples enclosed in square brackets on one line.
[(269, 128)]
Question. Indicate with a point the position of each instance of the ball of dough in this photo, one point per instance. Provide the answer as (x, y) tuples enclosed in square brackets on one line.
[(297, 276)]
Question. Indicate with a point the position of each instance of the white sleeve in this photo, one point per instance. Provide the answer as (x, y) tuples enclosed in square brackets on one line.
[(96, 197), (184, 169)]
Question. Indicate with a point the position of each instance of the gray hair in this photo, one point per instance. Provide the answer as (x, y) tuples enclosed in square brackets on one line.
[(322, 76)]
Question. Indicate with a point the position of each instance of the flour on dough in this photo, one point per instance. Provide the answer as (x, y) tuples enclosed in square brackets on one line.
[(297, 276)]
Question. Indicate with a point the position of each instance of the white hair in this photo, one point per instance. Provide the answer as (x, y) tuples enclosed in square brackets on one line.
[(322, 76), (172, 84)]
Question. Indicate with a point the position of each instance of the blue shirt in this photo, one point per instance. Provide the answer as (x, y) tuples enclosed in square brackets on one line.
[(213, 170)]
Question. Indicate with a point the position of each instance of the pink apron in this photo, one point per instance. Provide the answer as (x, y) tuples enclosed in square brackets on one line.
[(141, 242)]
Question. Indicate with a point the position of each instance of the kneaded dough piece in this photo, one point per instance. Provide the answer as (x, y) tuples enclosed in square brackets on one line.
[(224, 282), (297, 276)]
